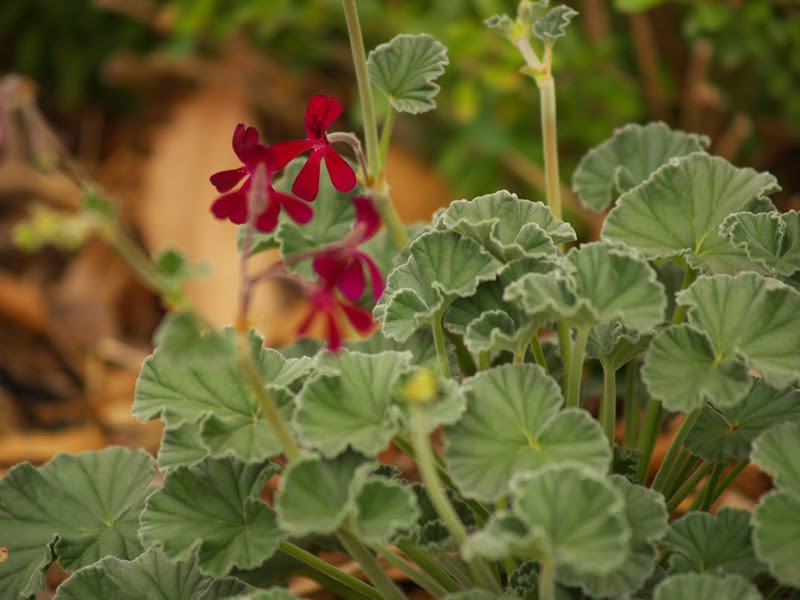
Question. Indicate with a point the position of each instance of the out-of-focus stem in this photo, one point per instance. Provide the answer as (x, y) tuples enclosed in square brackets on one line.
[(547, 93)]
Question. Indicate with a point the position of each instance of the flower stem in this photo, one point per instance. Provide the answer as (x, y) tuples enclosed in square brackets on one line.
[(538, 353), (439, 499), (441, 351), (688, 486), (547, 93), (329, 570), (608, 403), (653, 416), (675, 448), (372, 569), (632, 408), (426, 562), (386, 134), (547, 580), (244, 360), (136, 258), (421, 578), (576, 368), (390, 217)]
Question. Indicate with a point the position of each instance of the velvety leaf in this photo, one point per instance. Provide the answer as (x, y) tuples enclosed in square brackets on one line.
[(706, 587), (722, 434), (776, 535), (507, 226), (218, 399), (513, 424), (76, 509), (181, 446), (749, 316), (383, 508), (149, 577), (213, 509), (679, 209), (351, 406), (718, 543), (504, 535), (628, 158), (443, 266), (681, 370), (645, 510), (770, 239), (615, 346), (776, 451), (552, 25), (185, 338), (317, 495)]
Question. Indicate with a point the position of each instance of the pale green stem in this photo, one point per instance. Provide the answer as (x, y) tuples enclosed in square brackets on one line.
[(422, 579), (484, 360), (688, 278), (677, 478), (547, 580), (329, 570), (632, 408), (575, 369), (675, 447), (608, 403), (547, 93), (538, 353), (565, 348), (729, 479), (390, 217), (457, 569), (688, 486), (372, 569), (519, 357), (647, 438), (441, 351), (713, 480), (438, 497), (386, 134), (269, 409), (138, 261), (426, 562)]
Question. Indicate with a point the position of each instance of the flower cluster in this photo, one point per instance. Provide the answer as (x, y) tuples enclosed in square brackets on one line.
[(341, 268)]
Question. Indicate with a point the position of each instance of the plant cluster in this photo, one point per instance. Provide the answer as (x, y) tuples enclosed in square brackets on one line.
[(486, 319)]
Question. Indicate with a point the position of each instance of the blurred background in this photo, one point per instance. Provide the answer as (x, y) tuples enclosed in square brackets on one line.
[(143, 97)]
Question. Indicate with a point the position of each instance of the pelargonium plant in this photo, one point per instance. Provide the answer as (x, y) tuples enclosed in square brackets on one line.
[(480, 325)]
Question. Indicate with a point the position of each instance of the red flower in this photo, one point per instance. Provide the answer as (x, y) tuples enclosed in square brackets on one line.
[(325, 303), (233, 205), (342, 265), (320, 113)]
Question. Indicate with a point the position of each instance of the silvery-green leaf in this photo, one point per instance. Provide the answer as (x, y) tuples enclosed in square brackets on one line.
[(405, 69), (681, 370), (776, 451), (776, 535), (679, 209), (507, 226), (614, 345), (770, 239), (628, 158), (552, 26), (351, 406), (706, 587), (383, 508), (213, 509), (75, 509), (504, 535), (181, 446), (317, 495), (150, 576), (185, 338), (749, 316), (443, 266), (722, 434), (718, 543), (420, 345), (513, 424)]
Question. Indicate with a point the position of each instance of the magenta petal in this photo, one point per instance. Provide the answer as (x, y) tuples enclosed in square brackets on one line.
[(268, 219), (225, 181), (367, 216), (352, 281), (306, 186), (342, 175), (232, 206), (244, 140), (320, 113), (375, 276), (299, 211), (283, 153), (334, 333), (329, 266), (359, 317)]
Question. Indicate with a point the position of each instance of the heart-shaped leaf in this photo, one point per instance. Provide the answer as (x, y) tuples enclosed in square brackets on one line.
[(513, 424), (776, 535), (628, 158), (706, 587), (405, 69), (679, 209), (723, 434), (776, 451), (706, 543), (213, 508), (76, 509), (149, 576), (383, 508), (770, 239)]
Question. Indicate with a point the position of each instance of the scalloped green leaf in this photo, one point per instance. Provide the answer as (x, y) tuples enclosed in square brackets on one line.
[(552, 25), (351, 406), (681, 370), (317, 495), (776, 451), (706, 587), (776, 535), (181, 446), (217, 399), (75, 509), (149, 576), (628, 158), (513, 424), (749, 316), (507, 226), (186, 338), (723, 434), (679, 209), (384, 508), (720, 543), (213, 509), (443, 266), (405, 69), (615, 346), (770, 239)]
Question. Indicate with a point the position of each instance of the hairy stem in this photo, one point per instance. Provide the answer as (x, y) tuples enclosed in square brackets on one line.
[(389, 215), (688, 486), (372, 569), (538, 353), (576, 368), (547, 93), (547, 580), (441, 351), (632, 408), (431, 566), (386, 133), (710, 492), (421, 578), (675, 447), (730, 478), (678, 476), (608, 403), (653, 416)]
